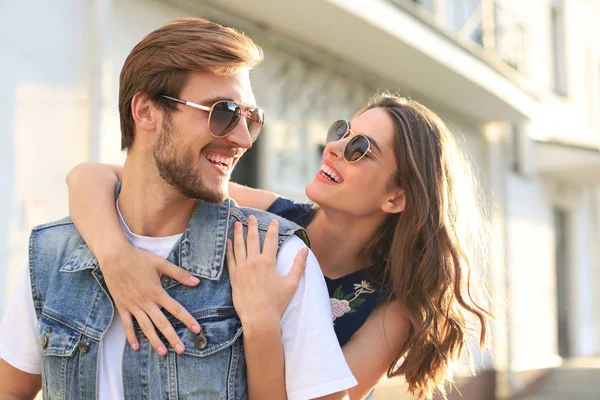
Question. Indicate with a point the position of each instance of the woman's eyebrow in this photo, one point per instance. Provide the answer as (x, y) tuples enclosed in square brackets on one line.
[(373, 141)]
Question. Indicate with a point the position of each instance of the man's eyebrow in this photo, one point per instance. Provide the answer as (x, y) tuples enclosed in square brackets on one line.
[(373, 141), (212, 100)]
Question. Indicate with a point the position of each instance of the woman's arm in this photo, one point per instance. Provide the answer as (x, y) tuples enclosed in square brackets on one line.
[(92, 206), (132, 275), (373, 348), (249, 197), (260, 296), (16, 384)]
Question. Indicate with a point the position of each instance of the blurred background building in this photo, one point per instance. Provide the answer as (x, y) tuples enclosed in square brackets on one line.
[(517, 81)]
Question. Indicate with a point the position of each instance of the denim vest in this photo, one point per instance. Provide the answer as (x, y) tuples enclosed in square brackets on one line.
[(74, 310)]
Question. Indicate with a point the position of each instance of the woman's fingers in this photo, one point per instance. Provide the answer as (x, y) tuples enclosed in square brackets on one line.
[(271, 240), (129, 330), (230, 256), (168, 303), (148, 328), (253, 241), (164, 326), (179, 312), (178, 273), (250, 248), (297, 272), (239, 245)]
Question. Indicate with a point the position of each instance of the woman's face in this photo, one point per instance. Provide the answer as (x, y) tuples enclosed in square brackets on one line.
[(359, 188)]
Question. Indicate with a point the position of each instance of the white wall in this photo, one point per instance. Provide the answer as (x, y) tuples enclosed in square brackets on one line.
[(531, 274), (48, 85), (569, 117), (531, 258), (44, 111), (530, 199), (130, 21)]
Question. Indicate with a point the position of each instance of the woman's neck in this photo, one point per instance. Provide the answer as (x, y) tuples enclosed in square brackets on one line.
[(336, 241)]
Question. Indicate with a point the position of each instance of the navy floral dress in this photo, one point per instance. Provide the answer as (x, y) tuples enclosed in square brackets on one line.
[(352, 297)]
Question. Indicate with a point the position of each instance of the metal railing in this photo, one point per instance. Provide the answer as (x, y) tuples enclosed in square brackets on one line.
[(487, 24)]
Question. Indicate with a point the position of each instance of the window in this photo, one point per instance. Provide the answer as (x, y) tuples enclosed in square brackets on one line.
[(466, 14), (562, 268), (426, 4)]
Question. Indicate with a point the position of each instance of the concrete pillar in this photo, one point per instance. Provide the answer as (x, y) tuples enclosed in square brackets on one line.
[(584, 309), (498, 138)]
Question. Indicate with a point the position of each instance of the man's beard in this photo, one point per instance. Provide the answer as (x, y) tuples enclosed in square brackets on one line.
[(176, 168)]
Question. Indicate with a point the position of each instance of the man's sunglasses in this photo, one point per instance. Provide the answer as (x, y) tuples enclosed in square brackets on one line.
[(225, 115), (357, 147)]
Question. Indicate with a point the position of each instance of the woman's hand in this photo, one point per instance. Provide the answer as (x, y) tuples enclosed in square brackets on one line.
[(260, 292), (133, 279)]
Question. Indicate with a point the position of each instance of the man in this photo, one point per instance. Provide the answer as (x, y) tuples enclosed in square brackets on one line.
[(187, 114)]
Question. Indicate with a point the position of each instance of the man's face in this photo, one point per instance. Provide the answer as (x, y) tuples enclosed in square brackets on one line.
[(187, 156)]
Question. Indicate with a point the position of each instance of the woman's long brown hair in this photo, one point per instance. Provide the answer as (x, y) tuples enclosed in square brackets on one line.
[(432, 256)]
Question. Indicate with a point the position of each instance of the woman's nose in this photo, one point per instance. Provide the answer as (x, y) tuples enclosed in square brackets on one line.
[(334, 149)]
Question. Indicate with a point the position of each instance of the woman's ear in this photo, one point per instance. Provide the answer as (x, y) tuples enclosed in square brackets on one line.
[(143, 112), (396, 202)]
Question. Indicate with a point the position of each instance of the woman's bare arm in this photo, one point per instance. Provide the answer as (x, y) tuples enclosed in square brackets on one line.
[(132, 275), (373, 348), (16, 384), (260, 296), (249, 197), (92, 206)]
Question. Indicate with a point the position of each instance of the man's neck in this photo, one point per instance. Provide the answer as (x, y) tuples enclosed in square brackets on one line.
[(150, 206)]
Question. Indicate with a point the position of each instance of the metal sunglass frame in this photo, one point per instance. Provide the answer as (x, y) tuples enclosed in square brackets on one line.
[(245, 112), (368, 151)]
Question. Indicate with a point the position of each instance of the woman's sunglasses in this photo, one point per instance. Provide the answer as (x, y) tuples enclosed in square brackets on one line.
[(225, 115), (357, 147)]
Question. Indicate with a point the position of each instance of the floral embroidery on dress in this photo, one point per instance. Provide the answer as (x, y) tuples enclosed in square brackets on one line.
[(342, 304)]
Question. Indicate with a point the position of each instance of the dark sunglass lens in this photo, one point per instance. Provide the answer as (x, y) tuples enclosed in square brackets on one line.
[(255, 122), (224, 117), (356, 148), (336, 130)]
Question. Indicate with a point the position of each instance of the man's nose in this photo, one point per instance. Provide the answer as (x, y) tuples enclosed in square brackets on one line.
[(240, 136)]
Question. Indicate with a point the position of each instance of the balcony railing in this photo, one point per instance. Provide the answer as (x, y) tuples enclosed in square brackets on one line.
[(487, 25)]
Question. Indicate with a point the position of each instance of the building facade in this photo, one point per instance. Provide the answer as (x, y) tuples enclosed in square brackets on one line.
[(517, 82)]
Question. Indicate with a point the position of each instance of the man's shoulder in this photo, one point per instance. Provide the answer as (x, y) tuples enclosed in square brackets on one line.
[(54, 235), (54, 246), (264, 218), (61, 228), (63, 223)]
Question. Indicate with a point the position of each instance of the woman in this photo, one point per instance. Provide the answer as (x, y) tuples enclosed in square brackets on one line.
[(397, 232)]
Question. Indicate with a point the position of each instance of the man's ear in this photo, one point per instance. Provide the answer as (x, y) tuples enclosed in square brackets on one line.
[(144, 112), (396, 201)]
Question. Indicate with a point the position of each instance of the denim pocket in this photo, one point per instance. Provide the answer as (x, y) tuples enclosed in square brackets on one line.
[(213, 365), (220, 329), (55, 338)]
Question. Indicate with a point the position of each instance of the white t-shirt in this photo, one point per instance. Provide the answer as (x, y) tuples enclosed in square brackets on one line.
[(315, 364)]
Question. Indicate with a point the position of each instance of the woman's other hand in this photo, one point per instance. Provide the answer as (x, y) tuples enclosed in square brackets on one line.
[(133, 280), (260, 292)]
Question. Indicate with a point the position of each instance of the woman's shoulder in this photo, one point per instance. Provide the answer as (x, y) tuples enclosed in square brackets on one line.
[(300, 213), (391, 320), (394, 310)]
